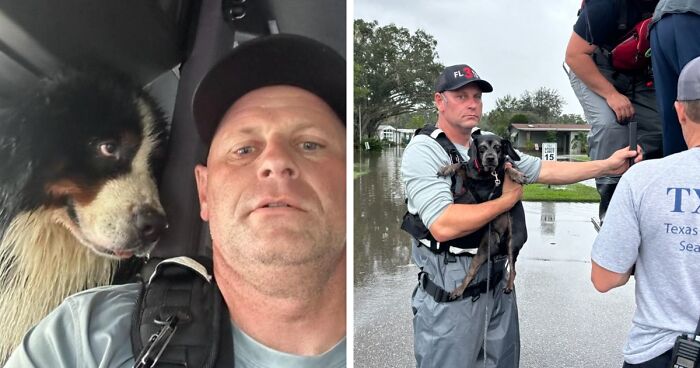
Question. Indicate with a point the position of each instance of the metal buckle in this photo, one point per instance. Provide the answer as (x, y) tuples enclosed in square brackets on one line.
[(157, 343), (495, 176)]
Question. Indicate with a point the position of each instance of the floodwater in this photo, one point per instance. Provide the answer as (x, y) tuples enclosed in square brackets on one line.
[(564, 322)]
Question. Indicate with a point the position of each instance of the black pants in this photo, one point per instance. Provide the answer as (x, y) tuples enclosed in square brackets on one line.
[(661, 361)]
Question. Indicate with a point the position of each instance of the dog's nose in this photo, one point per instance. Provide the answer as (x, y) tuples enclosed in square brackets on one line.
[(150, 224)]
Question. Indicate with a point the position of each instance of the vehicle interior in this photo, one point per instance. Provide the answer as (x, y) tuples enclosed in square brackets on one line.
[(166, 46)]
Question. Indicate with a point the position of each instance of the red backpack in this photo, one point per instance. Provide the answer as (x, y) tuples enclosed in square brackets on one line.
[(633, 53)]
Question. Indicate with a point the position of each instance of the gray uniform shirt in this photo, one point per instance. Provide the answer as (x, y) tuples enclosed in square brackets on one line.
[(675, 7), (654, 221), (92, 329)]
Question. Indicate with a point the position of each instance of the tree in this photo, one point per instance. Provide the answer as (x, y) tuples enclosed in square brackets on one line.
[(546, 103), (570, 119), (394, 72)]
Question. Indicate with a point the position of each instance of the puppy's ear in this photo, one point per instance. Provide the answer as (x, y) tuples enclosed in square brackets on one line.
[(476, 133), (509, 150), (473, 148)]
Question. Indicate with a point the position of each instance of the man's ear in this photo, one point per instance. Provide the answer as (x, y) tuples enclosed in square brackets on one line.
[(439, 100), (200, 175), (509, 150), (680, 111)]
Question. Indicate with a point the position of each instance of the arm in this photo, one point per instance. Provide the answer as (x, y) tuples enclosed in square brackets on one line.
[(603, 280), (556, 172), (578, 57), (51, 343), (614, 252)]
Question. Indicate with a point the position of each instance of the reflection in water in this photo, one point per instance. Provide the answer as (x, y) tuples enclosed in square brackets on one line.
[(380, 245), (548, 218)]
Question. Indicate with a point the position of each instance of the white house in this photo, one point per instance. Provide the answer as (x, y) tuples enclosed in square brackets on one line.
[(398, 136)]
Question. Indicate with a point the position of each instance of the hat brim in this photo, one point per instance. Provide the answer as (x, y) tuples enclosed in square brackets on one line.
[(483, 85), (281, 59)]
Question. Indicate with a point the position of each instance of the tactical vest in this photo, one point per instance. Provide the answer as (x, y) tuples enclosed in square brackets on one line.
[(413, 224)]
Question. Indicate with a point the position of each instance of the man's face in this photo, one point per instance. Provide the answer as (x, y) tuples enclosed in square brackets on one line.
[(273, 189), (462, 107)]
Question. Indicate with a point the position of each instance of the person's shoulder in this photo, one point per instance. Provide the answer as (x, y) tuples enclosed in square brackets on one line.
[(110, 300), (423, 144), (647, 170)]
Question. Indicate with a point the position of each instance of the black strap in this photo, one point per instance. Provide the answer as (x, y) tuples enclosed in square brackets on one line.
[(180, 319), (473, 291), (442, 139)]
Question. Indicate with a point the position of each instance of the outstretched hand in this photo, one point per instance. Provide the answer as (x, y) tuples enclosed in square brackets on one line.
[(618, 162)]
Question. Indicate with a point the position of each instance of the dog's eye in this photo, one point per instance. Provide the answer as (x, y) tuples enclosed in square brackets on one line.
[(107, 148)]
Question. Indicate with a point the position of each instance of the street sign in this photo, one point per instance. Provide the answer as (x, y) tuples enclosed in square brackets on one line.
[(549, 151)]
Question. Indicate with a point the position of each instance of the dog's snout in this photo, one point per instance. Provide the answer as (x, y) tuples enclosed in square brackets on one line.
[(490, 158), (150, 224)]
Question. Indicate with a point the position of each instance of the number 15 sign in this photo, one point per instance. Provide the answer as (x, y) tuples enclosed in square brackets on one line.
[(549, 151)]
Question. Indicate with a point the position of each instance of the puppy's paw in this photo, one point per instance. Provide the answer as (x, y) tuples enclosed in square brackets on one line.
[(516, 176), (449, 170)]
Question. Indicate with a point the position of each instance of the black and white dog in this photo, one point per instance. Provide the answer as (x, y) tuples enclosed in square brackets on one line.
[(79, 156)]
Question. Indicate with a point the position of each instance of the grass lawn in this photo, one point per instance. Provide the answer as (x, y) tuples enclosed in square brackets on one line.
[(560, 193)]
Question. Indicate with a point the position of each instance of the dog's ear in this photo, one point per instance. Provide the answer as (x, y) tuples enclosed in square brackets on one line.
[(507, 147), (473, 148), (476, 133)]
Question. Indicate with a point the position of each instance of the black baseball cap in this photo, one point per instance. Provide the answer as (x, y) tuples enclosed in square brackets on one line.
[(458, 76), (281, 59)]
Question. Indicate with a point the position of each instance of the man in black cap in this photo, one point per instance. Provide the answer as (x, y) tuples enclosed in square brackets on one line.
[(451, 333), (273, 192)]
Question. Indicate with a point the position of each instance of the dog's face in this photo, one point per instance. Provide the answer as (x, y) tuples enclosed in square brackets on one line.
[(490, 150), (94, 149)]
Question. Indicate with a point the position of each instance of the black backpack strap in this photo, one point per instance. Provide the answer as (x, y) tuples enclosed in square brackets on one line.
[(440, 136), (180, 319)]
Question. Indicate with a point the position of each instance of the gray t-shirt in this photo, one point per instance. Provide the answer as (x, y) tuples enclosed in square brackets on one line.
[(654, 221), (674, 7), (92, 329), (429, 195)]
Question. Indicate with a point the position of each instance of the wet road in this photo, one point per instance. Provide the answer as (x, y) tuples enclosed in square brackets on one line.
[(564, 322)]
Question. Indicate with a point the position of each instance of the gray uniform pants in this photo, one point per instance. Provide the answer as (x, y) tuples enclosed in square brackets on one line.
[(607, 135), (451, 335)]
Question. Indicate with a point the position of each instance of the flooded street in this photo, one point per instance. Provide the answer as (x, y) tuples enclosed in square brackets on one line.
[(564, 322)]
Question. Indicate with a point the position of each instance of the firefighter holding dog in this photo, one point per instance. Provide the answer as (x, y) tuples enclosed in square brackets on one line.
[(611, 77), (458, 325)]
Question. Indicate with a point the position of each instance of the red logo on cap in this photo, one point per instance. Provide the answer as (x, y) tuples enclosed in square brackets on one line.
[(468, 73)]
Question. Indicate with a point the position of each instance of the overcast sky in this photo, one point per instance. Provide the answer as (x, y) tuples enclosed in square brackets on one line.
[(516, 45)]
